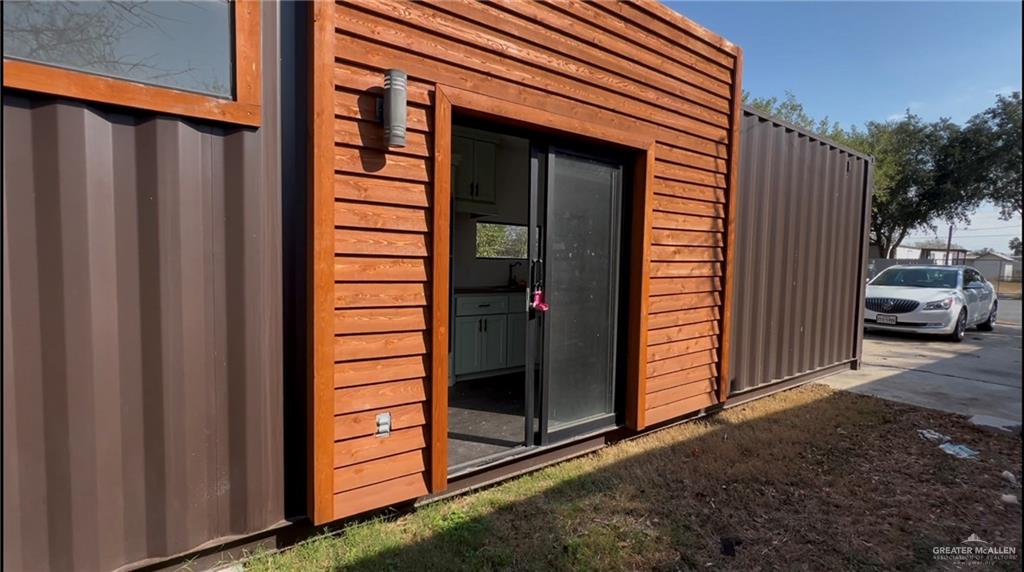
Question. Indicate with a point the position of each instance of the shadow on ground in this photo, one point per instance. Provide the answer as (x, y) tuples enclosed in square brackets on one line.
[(805, 479)]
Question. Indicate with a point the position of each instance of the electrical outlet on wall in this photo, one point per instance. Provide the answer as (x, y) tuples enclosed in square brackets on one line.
[(383, 424)]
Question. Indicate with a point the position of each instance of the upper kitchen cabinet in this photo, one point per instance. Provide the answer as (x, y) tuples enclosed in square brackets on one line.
[(473, 173)]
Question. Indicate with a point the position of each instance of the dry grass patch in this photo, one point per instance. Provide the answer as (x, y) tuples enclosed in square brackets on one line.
[(805, 479)]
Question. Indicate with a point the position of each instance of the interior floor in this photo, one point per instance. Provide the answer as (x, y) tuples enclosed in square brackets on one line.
[(485, 417)]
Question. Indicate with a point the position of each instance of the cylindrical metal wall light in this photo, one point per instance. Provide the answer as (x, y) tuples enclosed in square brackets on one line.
[(395, 96)]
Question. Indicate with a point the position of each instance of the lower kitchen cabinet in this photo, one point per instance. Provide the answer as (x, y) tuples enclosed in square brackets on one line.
[(489, 338)]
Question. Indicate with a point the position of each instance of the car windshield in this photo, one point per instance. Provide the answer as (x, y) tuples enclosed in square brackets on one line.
[(917, 278)]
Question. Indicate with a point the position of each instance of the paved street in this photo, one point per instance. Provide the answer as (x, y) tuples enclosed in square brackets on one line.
[(980, 378)]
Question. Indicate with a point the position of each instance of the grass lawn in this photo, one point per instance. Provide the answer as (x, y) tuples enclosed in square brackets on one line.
[(805, 479)]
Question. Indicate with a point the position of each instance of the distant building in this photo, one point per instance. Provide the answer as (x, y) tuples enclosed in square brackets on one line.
[(996, 266)]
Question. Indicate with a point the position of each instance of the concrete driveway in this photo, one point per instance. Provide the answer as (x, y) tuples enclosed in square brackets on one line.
[(979, 378)]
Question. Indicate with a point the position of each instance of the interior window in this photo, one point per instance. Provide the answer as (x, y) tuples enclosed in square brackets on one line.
[(181, 45), (495, 240)]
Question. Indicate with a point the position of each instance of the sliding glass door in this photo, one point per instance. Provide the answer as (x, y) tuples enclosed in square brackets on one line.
[(576, 220)]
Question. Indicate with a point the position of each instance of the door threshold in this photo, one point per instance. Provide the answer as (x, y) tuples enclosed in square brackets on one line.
[(491, 461)]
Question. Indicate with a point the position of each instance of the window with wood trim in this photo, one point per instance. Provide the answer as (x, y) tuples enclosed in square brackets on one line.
[(196, 59)]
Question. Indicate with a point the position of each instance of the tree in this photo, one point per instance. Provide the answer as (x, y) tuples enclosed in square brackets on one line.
[(925, 173), (983, 251), (500, 241), (918, 167), (1016, 247), (790, 110), (995, 137)]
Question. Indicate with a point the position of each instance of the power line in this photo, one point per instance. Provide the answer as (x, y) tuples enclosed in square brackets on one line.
[(1011, 235), (988, 228)]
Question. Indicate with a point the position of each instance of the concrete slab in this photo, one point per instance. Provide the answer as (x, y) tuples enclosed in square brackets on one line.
[(979, 378)]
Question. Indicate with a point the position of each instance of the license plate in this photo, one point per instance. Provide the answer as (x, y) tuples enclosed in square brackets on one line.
[(886, 319)]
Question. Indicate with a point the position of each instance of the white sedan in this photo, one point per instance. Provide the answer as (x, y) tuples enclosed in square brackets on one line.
[(942, 300)]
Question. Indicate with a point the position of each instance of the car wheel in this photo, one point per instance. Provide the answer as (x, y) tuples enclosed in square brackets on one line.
[(960, 330), (990, 324)]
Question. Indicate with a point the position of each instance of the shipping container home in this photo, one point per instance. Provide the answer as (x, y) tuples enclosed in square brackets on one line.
[(369, 253)]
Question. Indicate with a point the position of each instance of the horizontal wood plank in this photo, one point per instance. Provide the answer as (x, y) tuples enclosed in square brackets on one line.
[(363, 499), (381, 191), (672, 204), (380, 295), (369, 134), (676, 221), (380, 243), (683, 332), (373, 216), (680, 408), (665, 170), (375, 320), (379, 395), (681, 362), (366, 161), (681, 317), (364, 423), (689, 191), (667, 237), (681, 347), (685, 254), (365, 346), (685, 269), (358, 79), (681, 377), (353, 373), (363, 106), (680, 392), (682, 156), (663, 286), (378, 470), (675, 302), (378, 269), (362, 449)]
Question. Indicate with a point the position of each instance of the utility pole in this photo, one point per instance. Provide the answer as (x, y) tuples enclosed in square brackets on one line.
[(949, 243)]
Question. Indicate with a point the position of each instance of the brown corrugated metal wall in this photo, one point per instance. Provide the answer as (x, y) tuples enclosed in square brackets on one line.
[(142, 330), (800, 240)]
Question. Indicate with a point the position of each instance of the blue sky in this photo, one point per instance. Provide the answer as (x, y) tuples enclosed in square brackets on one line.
[(861, 61)]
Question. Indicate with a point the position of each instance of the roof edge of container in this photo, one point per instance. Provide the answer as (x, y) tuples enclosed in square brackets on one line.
[(747, 110)]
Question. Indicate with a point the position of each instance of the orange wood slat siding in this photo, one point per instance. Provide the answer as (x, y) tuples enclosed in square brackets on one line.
[(636, 74)]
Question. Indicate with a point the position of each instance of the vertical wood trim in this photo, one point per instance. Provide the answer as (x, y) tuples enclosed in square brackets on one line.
[(440, 292), (640, 273), (729, 280), (248, 65), (862, 272), (321, 415)]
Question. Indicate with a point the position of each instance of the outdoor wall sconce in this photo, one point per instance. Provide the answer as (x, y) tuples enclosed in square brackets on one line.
[(395, 98)]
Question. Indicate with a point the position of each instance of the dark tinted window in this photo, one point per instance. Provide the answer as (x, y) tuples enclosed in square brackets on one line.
[(917, 277), (182, 45)]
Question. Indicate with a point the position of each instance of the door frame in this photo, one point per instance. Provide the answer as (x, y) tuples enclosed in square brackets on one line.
[(447, 101)]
